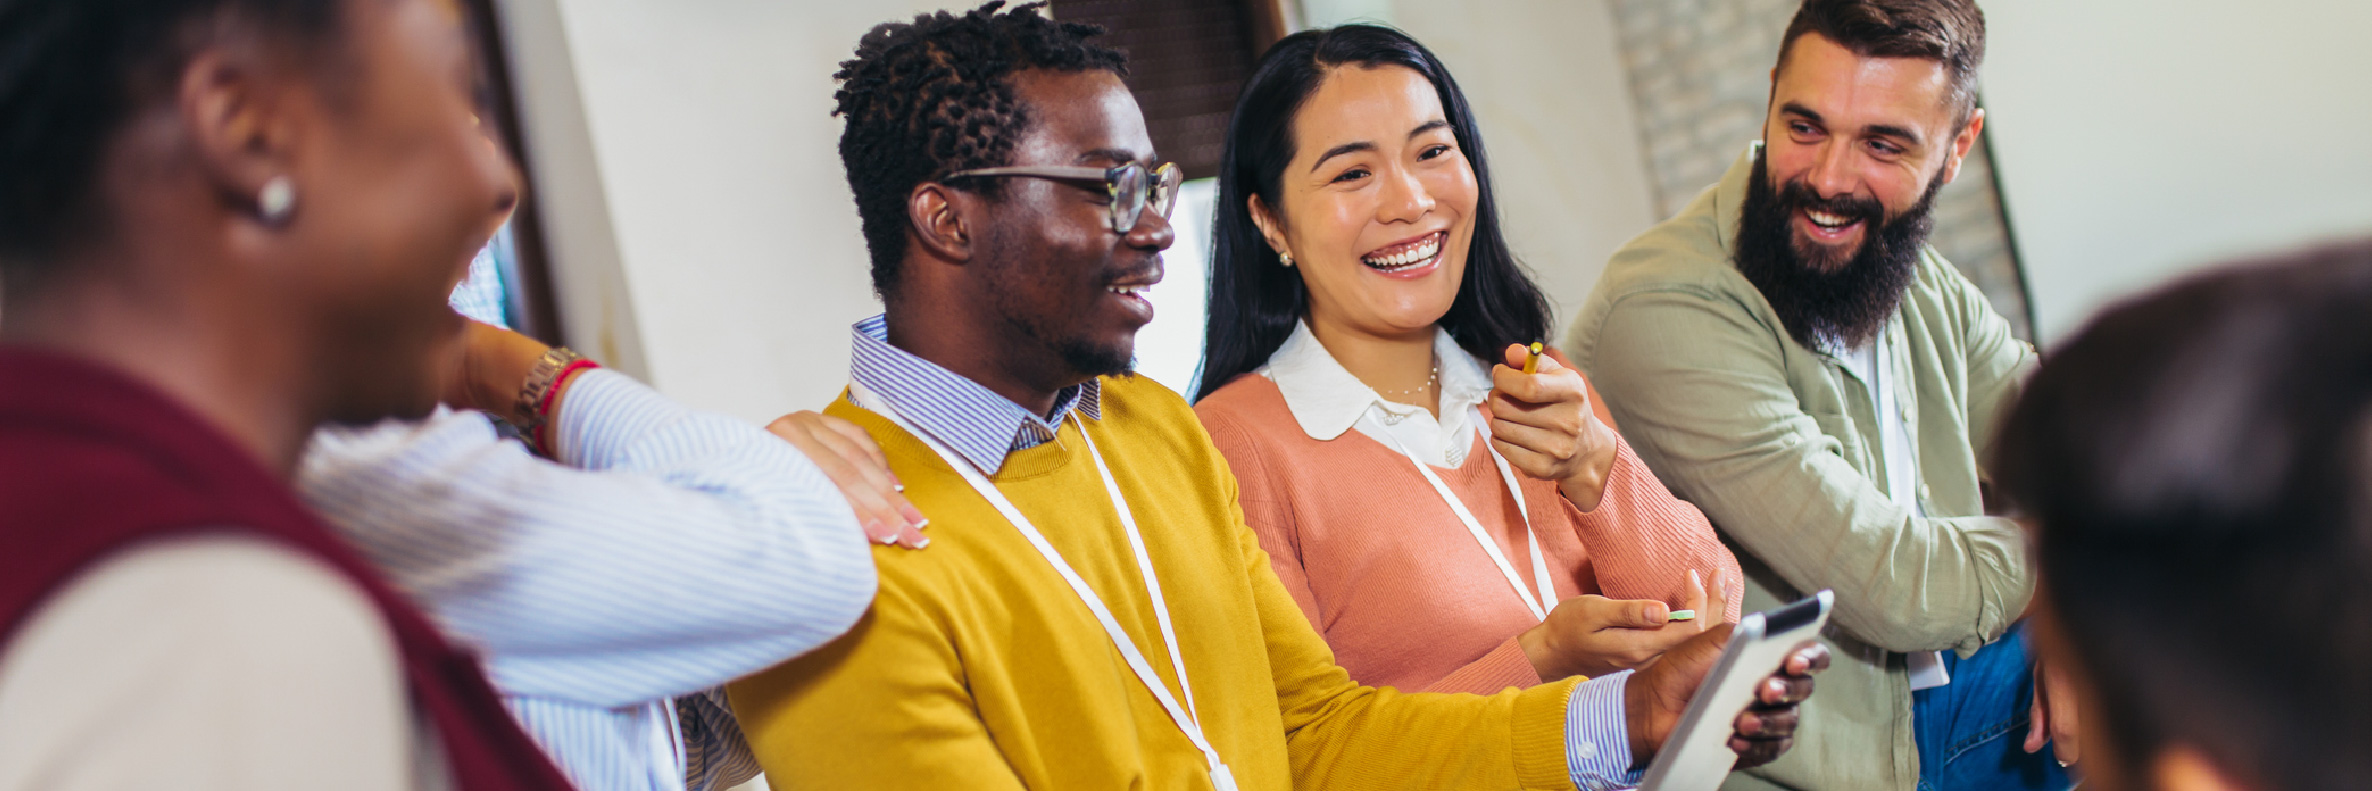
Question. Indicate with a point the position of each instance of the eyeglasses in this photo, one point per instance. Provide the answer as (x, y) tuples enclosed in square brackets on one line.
[(1132, 188)]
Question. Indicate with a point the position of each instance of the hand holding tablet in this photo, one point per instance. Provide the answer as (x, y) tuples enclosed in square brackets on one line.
[(1728, 698)]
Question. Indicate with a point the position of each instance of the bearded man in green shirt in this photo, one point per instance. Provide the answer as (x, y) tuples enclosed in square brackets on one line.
[(1790, 355)]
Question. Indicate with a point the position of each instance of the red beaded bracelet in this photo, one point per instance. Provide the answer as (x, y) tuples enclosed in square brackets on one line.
[(541, 435)]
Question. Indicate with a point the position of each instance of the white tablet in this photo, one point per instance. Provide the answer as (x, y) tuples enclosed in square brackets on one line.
[(1697, 756)]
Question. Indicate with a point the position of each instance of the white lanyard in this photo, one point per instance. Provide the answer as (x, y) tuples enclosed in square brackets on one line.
[(1548, 591), (1186, 718), (667, 749)]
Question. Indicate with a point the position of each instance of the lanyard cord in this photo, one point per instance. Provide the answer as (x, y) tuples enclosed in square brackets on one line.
[(1548, 592), (1187, 720)]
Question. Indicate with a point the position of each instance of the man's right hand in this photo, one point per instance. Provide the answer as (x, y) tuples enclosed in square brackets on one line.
[(1656, 696), (856, 464)]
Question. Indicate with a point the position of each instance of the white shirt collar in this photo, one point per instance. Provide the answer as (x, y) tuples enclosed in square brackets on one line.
[(1327, 400)]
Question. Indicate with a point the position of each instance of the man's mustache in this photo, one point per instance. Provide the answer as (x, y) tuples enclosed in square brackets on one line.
[(1145, 271), (1795, 194)]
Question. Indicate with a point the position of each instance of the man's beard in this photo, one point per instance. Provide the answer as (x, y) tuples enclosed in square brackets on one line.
[(1092, 360), (1827, 304), (1082, 355)]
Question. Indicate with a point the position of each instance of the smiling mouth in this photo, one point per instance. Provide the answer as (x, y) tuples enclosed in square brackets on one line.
[(1406, 255), (1830, 222)]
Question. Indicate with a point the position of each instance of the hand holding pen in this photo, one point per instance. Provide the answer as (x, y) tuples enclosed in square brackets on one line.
[(1540, 419)]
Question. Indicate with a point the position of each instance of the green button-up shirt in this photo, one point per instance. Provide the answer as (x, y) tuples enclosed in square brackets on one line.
[(1780, 446)]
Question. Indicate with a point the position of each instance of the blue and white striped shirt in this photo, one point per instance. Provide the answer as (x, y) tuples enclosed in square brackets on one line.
[(978, 424), (984, 427), (669, 552)]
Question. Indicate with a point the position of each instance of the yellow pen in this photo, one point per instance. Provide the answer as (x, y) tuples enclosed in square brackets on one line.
[(1532, 363)]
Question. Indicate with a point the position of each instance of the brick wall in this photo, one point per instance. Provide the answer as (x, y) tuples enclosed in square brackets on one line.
[(1700, 77)]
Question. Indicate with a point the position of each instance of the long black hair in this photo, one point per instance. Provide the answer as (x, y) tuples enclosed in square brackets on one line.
[(1254, 301)]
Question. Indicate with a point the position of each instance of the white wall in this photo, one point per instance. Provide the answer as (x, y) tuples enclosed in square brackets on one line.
[(2140, 139), (709, 164)]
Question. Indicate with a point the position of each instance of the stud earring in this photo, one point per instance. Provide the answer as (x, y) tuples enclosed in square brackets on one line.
[(1285, 258), (277, 201)]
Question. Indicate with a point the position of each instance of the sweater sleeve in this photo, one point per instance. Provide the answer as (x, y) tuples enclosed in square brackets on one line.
[(894, 685), (1340, 735), (1265, 510), (1642, 541)]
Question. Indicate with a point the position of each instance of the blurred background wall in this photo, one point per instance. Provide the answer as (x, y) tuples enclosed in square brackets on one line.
[(2140, 139)]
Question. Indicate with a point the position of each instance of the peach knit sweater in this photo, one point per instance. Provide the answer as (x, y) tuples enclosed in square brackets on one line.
[(1394, 581)]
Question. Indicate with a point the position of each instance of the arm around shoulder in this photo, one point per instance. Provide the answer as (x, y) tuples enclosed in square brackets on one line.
[(681, 550)]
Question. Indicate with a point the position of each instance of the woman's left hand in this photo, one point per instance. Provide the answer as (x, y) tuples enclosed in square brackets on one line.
[(1542, 423)]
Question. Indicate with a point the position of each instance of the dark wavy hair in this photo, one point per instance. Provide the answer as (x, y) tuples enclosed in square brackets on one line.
[(933, 96), (1950, 32), (1253, 300)]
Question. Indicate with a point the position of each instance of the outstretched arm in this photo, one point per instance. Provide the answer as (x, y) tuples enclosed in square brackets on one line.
[(668, 550)]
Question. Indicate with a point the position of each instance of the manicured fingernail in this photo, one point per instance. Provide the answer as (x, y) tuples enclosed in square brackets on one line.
[(898, 487), (1682, 615), (913, 515), (926, 541)]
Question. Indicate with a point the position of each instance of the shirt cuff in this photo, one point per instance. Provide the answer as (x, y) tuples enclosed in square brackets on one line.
[(600, 416), (1597, 738)]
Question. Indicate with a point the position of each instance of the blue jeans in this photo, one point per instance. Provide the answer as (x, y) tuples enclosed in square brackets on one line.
[(1972, 732)]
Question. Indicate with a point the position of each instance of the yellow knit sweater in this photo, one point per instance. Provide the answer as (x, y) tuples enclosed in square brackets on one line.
[(977, 667)]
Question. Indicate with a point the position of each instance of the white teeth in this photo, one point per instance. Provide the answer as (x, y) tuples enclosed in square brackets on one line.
[(1127, 291), (1422, 252), (1827, 220)]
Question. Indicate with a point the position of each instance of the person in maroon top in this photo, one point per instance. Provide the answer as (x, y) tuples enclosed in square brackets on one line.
[(223, 223)]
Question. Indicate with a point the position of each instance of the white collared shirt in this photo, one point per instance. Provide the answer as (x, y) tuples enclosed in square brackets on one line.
[(1873, 365), (1327, 400)]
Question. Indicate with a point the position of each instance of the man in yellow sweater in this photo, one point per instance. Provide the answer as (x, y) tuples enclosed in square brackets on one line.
[(1093, 613)]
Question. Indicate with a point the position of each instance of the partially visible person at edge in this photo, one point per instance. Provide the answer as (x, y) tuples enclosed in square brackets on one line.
[(1789, 355), (660, 552), (1093, 614), (2218, 429), (1360, 292), (222, 224)]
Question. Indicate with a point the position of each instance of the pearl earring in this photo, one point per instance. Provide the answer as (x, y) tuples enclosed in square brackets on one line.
[(277, 201), (1285, 258)]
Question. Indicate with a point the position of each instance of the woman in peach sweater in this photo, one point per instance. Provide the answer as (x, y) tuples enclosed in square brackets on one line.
[(1447, 524)]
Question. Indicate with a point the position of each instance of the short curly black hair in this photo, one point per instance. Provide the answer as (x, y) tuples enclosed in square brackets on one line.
[(930, 97)]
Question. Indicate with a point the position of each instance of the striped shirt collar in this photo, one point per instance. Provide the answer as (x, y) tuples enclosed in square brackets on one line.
[(978, 424)]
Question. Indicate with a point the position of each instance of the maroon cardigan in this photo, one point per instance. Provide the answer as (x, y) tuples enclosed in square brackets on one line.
[(92, 463)]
